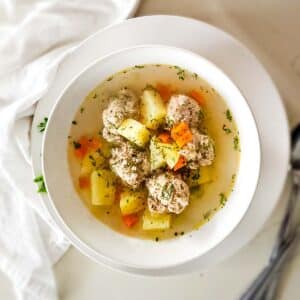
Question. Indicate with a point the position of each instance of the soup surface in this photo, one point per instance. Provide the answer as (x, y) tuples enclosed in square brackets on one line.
[(153, 152)]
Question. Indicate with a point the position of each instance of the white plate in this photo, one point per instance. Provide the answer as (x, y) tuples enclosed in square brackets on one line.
[(243, 68)]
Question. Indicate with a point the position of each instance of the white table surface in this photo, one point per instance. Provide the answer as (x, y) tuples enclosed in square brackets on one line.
[(270, 28)]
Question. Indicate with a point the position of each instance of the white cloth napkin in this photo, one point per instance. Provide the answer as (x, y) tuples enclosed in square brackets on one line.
[(30, 54)]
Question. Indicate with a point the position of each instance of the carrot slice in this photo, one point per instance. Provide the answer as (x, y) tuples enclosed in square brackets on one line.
[(84, 182), (94, 143), (85, 145), (130, 220), (82, 148), (198, 96), (181, 134), (180, 163), (165, 137), (165, 91)]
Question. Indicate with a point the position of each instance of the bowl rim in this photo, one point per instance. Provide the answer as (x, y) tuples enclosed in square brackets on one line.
[(89, 250)]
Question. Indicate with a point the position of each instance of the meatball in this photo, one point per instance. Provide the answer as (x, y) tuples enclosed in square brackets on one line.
[(182, 108), (123, 106), (112, 137), (167, 193), (200, 151), (130, 164)]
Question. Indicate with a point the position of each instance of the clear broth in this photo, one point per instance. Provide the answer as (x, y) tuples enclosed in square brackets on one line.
[(206, 200)]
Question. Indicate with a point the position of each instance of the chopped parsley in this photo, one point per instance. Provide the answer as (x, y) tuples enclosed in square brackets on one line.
[(156, 239), (93, 160), (180, 73), (169, 122), (39, 180), (76, 145), (42, 126), (195, 75), (233, 177), (206, 215), (226, 129), (200, 115), (95, 96), (81, 110), (196, 176), (109, 78), (236, 143), (167, 191), (139, 67), (74, 122), (228, 115), (223, 199)]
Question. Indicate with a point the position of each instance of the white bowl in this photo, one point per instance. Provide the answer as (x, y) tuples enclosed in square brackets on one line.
[(97, 240)]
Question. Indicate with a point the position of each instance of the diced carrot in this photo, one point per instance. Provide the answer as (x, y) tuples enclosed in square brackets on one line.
[(180, 163), (181, 134), (130, 220), (198, 96), (84, 182), (165, 91), (94, 143), (86, 145), (165, 137), (80, 152)]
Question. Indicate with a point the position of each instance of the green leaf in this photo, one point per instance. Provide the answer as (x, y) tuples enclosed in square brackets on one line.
[(42, 125), (39, 180), (228, 115)]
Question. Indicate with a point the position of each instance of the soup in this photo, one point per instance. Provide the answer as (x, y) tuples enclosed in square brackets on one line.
[(153, 152)]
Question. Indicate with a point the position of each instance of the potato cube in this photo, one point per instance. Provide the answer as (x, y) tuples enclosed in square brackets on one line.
[(200, 176), (205, 175), (103, 187), (157, 159), (170, 152), (152, 108), (135, 132), (91, 161), (132, 201), (171, 155), (153, 221)]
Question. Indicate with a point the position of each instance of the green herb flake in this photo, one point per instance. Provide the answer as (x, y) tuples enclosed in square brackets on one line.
[(228, 115), (156, 239), (110, 78), (206, 215), (74, 122), (195, 75), (76, 145), (39, 180), (139, 67), (236, 143), (42, 125), (223, 199), (167, 191), (233, 177), (226, 129), (81, 110)]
